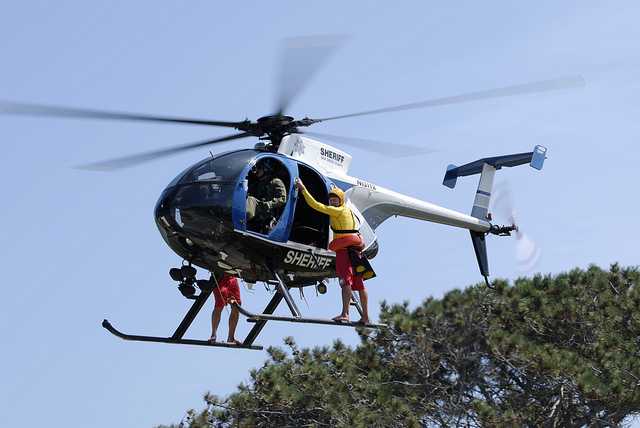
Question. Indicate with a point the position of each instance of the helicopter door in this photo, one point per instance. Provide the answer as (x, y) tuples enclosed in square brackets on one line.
[(260, 204), (309, 226)]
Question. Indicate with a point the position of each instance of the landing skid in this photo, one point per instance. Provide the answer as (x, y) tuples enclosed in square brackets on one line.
[(283, 293), (176, 338), (106, 324), (260, 320), (251, 317)]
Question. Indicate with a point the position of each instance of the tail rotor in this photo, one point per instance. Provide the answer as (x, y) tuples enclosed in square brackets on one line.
[(527, 251)]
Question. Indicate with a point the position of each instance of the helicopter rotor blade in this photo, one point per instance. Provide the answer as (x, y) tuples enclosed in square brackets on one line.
[(390, 149), (32, 109), (301, 58), (133, 160), (507, 91), (527, 253)]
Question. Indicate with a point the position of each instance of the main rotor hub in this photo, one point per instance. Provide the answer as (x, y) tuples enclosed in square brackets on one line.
[(275, 122), (274, 128)]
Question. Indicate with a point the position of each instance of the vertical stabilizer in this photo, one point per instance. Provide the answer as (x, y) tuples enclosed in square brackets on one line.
[(480, 248), (483, 194), (480, 210)]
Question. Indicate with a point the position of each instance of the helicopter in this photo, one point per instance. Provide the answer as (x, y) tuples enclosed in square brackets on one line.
[(202, 213)]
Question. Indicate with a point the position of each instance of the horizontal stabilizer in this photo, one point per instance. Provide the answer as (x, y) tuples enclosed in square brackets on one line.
[(535, 159)]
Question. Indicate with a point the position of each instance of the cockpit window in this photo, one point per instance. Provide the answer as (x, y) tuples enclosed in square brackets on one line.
[(224, 168)]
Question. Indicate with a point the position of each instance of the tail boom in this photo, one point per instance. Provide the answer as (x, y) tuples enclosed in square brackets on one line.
[(381, 204)]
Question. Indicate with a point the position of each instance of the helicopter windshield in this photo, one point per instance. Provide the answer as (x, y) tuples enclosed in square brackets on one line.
[(209, 186), (223, 169)]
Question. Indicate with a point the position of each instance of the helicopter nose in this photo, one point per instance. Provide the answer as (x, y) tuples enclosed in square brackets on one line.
[(196, 209), (164, 214)]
